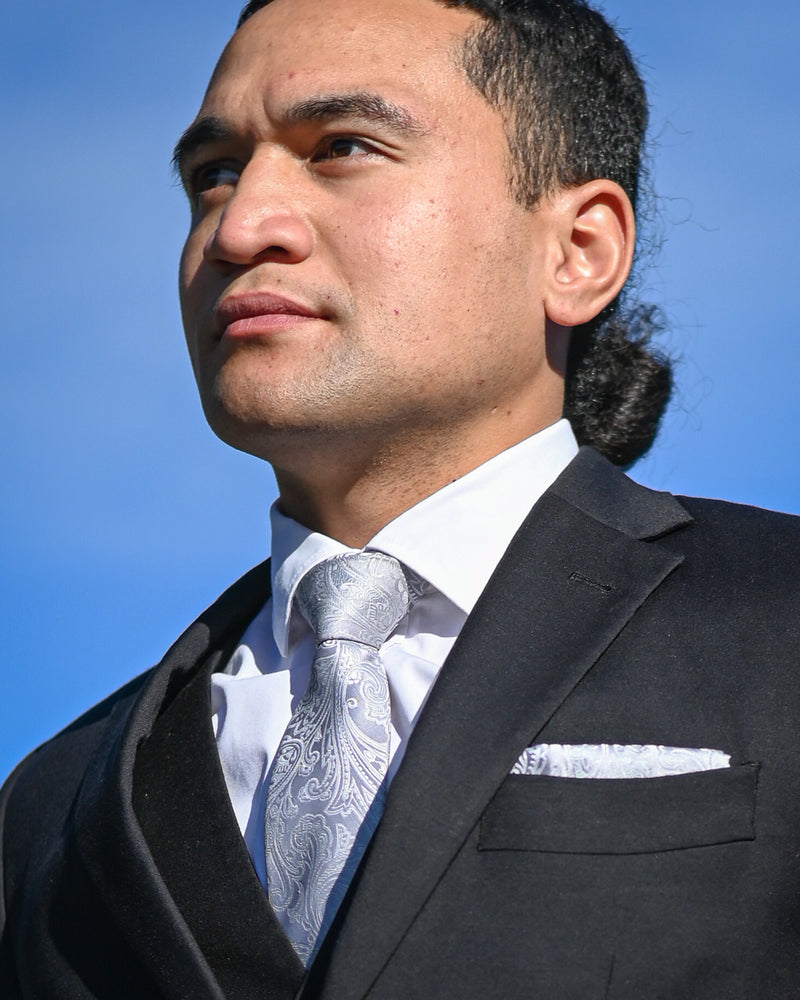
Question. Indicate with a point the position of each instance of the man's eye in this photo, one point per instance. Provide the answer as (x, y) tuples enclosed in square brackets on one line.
[(213, 175), (341, 147)]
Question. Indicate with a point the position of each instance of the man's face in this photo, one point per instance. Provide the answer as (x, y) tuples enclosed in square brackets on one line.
[(357, 270)]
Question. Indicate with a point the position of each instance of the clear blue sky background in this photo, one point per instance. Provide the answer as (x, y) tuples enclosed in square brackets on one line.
[(122, 516)]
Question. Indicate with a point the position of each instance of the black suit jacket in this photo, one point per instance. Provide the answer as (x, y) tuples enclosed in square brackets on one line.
[(617, 615)]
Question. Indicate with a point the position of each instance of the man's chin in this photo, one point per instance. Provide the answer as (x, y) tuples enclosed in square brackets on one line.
[(274, 437), (241, 430)]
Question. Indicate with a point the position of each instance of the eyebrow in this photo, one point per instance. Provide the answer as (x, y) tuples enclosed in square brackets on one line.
[(359, 106), (202, 132)]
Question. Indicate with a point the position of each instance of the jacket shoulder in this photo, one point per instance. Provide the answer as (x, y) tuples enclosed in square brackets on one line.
[(44, 784), (745, 533), (69, 749), (726, 512), (741, 566), (40, 789)]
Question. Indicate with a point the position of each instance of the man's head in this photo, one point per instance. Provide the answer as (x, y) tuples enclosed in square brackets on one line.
[(371, 282)]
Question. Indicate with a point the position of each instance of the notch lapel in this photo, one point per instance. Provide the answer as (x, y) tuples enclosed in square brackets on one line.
[(574, 575)]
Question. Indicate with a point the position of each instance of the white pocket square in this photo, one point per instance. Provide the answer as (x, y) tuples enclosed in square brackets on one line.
[(614, 760)]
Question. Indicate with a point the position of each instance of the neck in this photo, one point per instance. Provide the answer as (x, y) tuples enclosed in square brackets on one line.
[(351, 498)]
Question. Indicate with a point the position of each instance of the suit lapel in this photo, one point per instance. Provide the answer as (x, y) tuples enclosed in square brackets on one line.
[(104, 838), (574, 575)]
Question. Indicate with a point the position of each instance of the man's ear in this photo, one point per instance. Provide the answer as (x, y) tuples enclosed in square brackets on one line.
[(595, 232)]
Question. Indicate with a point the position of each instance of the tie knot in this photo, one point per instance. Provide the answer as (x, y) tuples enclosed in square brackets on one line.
[(357, 596)]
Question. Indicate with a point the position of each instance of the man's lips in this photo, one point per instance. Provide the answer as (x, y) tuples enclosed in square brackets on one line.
[(261, 313)]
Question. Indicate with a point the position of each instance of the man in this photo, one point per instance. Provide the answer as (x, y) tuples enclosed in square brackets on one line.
[(578, 771)]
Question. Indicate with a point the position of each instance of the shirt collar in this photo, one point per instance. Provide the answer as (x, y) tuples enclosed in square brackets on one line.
[(453, 538)]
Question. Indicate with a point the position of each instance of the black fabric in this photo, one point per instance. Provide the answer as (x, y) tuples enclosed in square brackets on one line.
[(617, 616), (621, 816), (180, 799)]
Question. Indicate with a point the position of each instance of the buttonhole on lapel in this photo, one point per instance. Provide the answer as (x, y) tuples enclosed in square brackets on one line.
[(606, 588)]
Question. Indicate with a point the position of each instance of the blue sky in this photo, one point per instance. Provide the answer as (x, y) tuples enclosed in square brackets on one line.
[(122, 515)]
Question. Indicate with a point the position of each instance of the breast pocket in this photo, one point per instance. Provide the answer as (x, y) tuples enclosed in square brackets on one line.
[(621, 816)]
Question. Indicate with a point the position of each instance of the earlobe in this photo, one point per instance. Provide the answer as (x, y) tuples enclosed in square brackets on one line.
[(596, 231)]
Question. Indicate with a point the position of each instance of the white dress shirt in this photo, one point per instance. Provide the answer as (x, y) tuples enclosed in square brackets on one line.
[(454, 539)]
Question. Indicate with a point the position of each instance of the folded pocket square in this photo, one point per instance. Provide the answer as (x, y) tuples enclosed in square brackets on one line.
[(614, 760)]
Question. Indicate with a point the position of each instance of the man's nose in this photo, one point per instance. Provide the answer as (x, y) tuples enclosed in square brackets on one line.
[(262, 220)]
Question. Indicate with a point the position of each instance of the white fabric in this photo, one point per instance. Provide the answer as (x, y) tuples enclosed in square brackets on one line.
[(615, 760), (453, 539)]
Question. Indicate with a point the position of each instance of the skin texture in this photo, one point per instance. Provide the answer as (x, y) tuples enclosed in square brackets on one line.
[(419, 328)]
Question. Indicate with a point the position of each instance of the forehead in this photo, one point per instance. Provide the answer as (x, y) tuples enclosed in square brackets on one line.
[(318, 45)]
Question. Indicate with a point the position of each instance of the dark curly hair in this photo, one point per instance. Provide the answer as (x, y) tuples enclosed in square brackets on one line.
[(575, 109)]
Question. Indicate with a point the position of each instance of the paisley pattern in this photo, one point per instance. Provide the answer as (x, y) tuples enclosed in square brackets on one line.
[(327, 786), (613, 760)]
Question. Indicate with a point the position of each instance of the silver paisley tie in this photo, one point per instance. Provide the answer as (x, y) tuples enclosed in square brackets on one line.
[(327, 787)]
